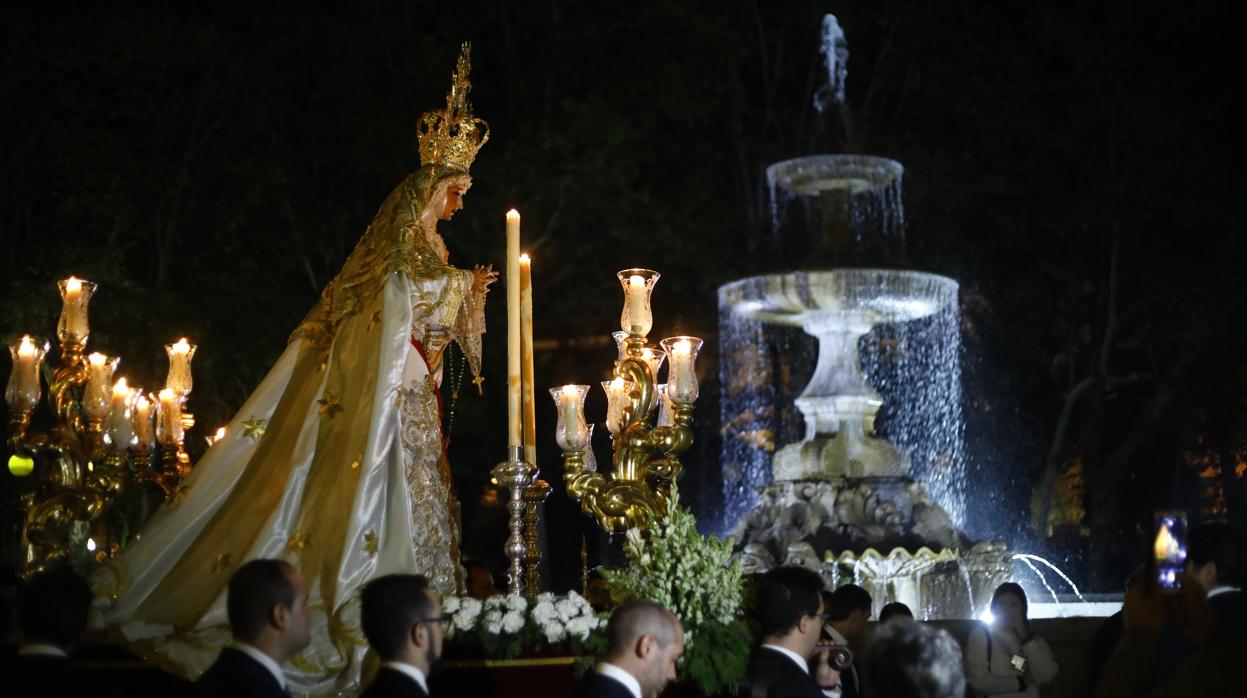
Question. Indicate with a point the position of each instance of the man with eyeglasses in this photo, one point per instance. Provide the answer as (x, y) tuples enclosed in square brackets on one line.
[(789, 613), (402, 620)]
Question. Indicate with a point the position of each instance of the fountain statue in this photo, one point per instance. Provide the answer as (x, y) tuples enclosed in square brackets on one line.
[(843, 499)]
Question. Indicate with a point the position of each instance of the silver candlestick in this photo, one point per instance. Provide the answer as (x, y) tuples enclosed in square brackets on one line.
[(515, 474)]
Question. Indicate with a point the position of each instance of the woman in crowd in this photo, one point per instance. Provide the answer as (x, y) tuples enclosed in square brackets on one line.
[(1005, 658)]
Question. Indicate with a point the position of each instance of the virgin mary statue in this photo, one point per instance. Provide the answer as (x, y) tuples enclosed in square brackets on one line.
[(336, 462)]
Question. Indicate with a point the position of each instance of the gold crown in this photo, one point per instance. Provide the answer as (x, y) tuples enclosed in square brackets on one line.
[(452, 136)]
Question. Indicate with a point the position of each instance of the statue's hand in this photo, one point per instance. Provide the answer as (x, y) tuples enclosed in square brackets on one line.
[(482, 277)]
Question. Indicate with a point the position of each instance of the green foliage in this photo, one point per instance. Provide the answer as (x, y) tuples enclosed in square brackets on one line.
[(694, 577)]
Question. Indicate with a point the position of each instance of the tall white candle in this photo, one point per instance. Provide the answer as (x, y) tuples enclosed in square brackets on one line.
[(526, 359), (514, 430), (95, 399)]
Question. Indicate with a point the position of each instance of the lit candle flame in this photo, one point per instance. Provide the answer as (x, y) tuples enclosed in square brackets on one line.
[(97, 359), (182, 346), (120, 389), (91, 544), (73, 286), (569, 391), (27, 350), (525, 259), (683, 347)]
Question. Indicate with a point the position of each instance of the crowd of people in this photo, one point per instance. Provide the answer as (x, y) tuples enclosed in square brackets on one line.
[(1160, 645)]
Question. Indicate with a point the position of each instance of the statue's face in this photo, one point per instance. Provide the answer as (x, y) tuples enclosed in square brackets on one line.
[(454, 201)]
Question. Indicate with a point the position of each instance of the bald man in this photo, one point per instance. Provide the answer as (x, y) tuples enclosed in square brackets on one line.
[(644, 640)]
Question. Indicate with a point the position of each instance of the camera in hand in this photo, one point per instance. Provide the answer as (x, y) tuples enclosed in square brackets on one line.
[(839, 657)]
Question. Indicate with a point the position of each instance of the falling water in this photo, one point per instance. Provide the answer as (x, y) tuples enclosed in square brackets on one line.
[(916, 367), (1042, 578), (965, 577), (1025, 557), (836, 210)]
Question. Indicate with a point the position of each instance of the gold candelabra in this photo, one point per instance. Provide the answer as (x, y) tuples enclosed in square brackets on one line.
[(100, 439), (646, 454)]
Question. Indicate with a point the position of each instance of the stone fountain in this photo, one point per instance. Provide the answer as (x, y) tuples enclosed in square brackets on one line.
[(841, 498)]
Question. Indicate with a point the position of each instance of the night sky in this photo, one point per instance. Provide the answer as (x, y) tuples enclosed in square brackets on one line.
[(1071, 166)]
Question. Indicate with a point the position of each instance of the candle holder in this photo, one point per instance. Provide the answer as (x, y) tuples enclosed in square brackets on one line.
[(534, 496), (637, 319), (514, 474), (179, 379), (79, 465), (646, 458)]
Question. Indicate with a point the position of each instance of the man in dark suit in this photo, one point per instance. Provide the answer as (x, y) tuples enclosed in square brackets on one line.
[(643, 642), (847, 614), (403, 622), (268, 617), (1216, 560), (52, 610), (788, 611)]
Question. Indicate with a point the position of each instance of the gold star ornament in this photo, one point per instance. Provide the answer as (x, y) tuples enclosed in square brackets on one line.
[(254, 428), (329, 405), (297, 542), (223, 562)]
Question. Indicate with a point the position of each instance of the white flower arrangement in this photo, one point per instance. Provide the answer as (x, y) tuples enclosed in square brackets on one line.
[(505, 626)]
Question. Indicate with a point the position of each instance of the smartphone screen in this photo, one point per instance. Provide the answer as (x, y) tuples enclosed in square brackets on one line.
[(1169, 549)]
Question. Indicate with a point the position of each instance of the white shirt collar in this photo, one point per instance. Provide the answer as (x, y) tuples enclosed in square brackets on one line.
[(622, 676), (413, 671), (40, 649), (265, 661), (796, 658), (1218, 590)]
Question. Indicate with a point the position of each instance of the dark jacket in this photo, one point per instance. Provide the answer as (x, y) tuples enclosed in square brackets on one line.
[(42, 675), (596, 685), (391, 683), (775, 675), (235, 675)]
